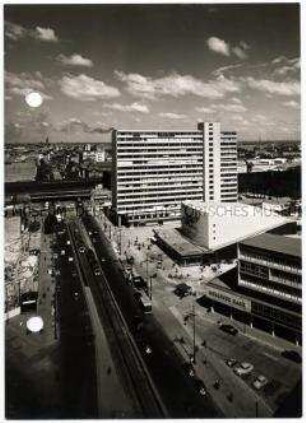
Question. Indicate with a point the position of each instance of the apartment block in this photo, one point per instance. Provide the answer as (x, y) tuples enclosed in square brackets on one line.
[(155, 171)]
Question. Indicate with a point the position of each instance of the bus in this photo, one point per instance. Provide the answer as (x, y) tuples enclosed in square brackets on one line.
[(145, 303)]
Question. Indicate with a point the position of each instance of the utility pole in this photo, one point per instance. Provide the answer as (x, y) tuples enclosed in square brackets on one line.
[(120, 240), (194, 333), (150, 288)]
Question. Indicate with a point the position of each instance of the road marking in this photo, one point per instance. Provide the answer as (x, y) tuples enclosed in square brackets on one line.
[(271, 356)]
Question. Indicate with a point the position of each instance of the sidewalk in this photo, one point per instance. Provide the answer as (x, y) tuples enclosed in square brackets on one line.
[(209, 368), (210, 364)]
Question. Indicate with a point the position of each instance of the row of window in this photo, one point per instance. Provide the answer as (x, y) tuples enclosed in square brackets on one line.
[(157, 171), (272, 289), (157, 191), (275, 314), (246, 254)]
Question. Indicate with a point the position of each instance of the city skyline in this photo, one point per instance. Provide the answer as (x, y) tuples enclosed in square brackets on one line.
[(152, 66)]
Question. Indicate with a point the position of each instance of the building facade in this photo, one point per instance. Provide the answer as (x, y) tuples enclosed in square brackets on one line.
[(268, 292), (214, 225), (155, 171)]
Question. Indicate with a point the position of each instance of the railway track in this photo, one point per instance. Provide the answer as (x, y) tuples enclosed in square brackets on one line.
[(135, 375)]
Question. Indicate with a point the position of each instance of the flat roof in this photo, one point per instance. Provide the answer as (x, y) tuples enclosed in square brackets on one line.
[(276, 243), (211, 206), (178, 242)]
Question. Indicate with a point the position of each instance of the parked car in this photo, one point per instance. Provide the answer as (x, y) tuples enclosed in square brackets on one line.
[(231, 362), (244, 369), (82, 249), (182, 290), (229, 329), (200, 387), (260, 382), (292, 355), (189, 369)]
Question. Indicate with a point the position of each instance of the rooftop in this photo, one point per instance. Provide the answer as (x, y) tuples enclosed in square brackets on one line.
[(276, 243), (178, 242)]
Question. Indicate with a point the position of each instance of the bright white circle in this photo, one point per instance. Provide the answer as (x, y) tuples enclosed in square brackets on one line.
[(34, 99), (35, 324)]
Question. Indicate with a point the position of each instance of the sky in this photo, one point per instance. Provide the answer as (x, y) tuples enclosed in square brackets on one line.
[(151, 67)]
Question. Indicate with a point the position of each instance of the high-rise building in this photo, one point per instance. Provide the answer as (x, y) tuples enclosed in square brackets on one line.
[(155, 171)]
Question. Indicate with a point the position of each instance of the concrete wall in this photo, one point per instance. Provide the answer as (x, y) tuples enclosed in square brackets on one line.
[(220, 224)]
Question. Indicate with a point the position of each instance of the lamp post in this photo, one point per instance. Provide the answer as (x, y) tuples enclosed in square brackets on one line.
[(194, 333)]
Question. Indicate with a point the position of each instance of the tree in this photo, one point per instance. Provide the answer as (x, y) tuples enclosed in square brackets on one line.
[(50, 224)]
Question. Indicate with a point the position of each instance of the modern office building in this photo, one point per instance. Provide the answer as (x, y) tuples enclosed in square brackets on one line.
[(268, 293), (155, 171)]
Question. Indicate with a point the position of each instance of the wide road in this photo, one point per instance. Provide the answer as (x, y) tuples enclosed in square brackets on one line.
[(178, 391), (78, 376), (130, 364)]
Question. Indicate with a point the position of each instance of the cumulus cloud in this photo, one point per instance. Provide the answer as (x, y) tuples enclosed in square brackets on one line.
[(75, 125), (286, 66), (236, 100), (222, 47), (134, 107), (293, 104), (170, 115), (278, 60), (240, 120), (205, 109), (274, 87), (176, 85), (45, 34), (235, 106), (85, 88), (14, 31), (218, 46), (24, 83), (74, 60), (239, 52)]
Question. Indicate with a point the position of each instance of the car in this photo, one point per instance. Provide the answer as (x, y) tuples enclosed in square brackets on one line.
[(292, 355), (97, 271), (200, 387), (189, 369), (228, 329), (260, 382), (82, 250), (231, 362), (148, 350), (244, 369), (182, 290)]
